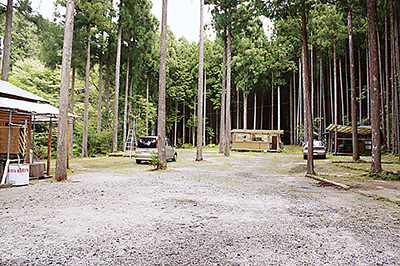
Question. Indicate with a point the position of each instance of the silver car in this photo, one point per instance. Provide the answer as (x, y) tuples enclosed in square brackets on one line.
[(147, 146), (319, 150)]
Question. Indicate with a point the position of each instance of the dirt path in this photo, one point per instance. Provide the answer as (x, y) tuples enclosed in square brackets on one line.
[(249, 209)]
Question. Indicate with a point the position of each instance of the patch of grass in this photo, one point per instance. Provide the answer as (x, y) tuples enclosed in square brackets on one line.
[(385, 175)]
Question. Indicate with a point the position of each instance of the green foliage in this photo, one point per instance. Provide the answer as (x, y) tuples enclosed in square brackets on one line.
[(300, 128), (156, 162), (187, 146), (99, 143), (317, 123), (33, 76), (139, 110), (364, 122), (328, 26), (52, 44), (24, 42)]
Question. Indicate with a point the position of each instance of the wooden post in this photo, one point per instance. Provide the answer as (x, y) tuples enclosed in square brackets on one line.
[(336, 144), (49, 147), (28, 143)]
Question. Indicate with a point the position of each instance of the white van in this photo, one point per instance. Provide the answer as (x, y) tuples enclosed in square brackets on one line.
[(146, 146)]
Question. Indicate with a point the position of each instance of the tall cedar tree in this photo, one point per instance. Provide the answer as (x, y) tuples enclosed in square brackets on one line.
[(374, 76), (281, 9), (199, 153), (162, 156), (353, 87), (116, 94), (7, 42), (61, 161)]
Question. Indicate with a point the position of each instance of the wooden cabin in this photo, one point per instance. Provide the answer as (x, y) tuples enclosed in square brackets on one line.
[(19, 110), (256, 140)]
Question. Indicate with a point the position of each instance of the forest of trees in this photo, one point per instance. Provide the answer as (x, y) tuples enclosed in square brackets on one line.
[(259, 79)]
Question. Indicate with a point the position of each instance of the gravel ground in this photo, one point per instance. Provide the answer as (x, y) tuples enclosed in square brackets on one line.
[(249, 209)]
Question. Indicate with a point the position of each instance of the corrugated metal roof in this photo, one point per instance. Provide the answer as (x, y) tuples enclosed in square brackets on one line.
[(348, 129), (35, 108), (8, 89)]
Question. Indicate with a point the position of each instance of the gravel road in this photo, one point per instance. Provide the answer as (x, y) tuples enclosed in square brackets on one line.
[(249, 209)]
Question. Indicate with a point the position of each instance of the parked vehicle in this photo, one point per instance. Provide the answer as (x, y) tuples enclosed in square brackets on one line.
[(319, 150), (147, 146)]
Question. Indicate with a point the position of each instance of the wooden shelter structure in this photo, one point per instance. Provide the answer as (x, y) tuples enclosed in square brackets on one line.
[(344, 139), (256, 140), (19, 111)]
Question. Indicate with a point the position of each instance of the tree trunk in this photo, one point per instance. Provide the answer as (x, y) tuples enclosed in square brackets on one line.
[(61, 160), (294, 110), (255, 111), (374, 75), (124, 127), (100, 98), (312, 76), (347, 91), (184, 124), (228, 94), (321, 94), (7, 42), (262, 111), (194, 122), (299, 107), (387, 75), (331, 107), (323, 97), (86, 104), (393, 76), (335, 93), (368, 84), (245, 98), (396, 79), (223, 102), (381, 90), (176, 122), (71, 110), (341, 91), (107, 100), (147, 105), (199, 153), (291, 110), (360, 84), (272, 102), (279, 107), (161, 90), (306, 79), (237, 109), (130, 120), (205, 107), (356, 155), (116, 95), (335, 86)]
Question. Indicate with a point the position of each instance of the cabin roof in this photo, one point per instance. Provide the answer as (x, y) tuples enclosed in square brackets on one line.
[(261, 131), (8, 90), (348, 129)]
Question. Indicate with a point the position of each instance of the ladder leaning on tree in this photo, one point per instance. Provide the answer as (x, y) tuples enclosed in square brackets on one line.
[(130, 143)]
